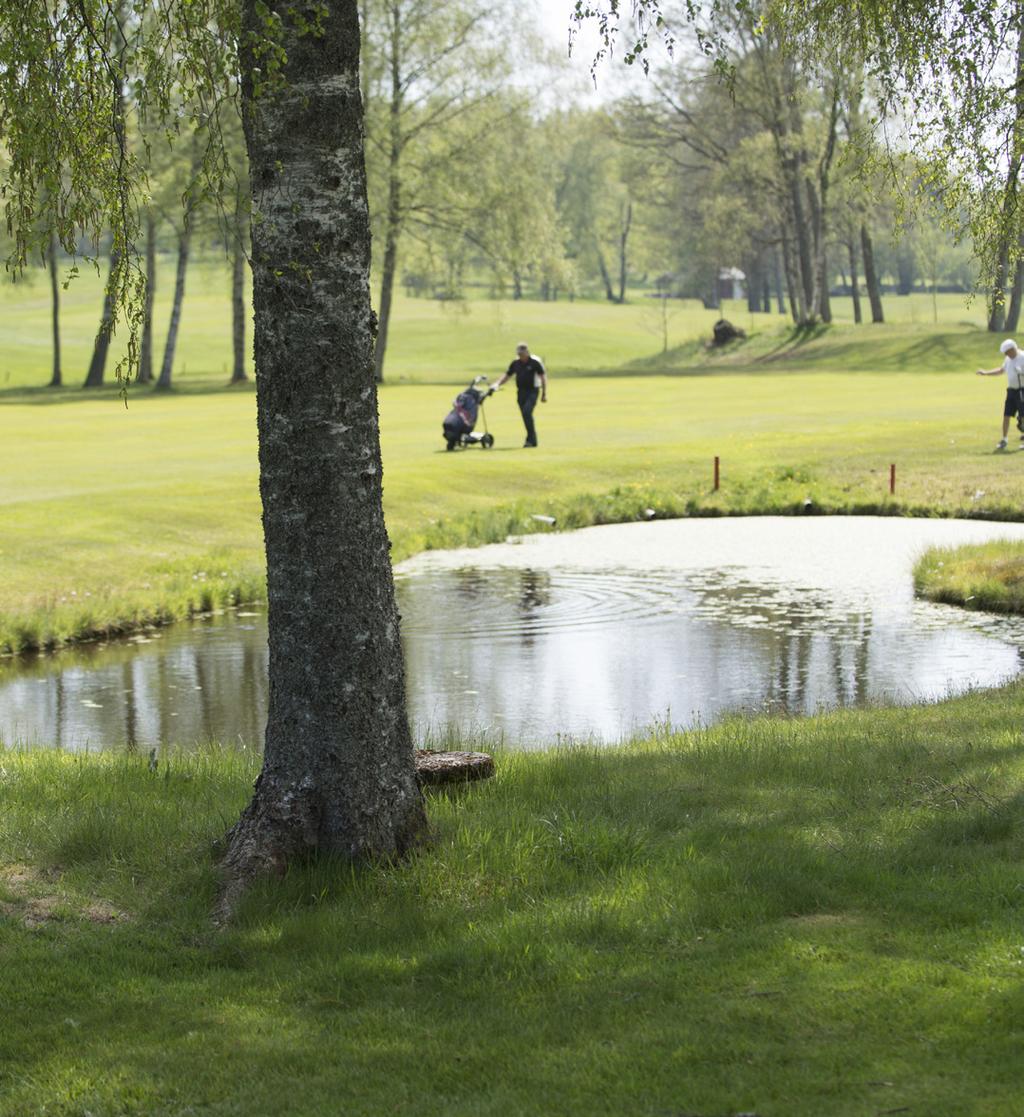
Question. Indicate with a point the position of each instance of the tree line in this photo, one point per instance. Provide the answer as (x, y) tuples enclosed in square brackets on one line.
[(474, 179)]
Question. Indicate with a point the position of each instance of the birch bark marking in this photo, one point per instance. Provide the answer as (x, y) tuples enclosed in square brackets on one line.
[(338, 771)]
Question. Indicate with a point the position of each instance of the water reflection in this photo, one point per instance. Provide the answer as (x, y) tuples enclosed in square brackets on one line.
[(534, 651)]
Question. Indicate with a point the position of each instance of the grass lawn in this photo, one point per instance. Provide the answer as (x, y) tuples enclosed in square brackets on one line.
[(985, 576), (781, 917), (113, 516), (431, 341), (777, 916)]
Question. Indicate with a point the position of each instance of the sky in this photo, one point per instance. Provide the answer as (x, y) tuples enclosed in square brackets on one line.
[(552, 22)]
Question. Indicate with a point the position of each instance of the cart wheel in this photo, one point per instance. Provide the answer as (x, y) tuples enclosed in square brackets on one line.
[(487, 441)]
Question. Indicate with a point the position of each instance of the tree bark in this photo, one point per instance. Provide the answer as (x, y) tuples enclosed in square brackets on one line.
[(625, 225), (871, 276), (753, 269), (851, 248), (606, 278), (238, 369), (394, 205), (780, 295), (98, 364), (1013, 307), (793, 283), (338, 771), (56, 377), (1008, 217), (146, 347), (167, 365)]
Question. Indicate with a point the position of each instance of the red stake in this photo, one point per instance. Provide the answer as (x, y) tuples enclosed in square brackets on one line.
[(892, 479), (716, 473)]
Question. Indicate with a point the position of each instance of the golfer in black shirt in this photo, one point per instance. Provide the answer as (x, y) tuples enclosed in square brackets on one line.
[(531, 381)]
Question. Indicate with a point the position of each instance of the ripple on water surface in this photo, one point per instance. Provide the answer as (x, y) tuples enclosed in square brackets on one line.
[(588, 635)]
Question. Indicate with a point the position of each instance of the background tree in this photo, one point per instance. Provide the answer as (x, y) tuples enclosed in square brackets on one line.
[(338, 774), (428, 62)]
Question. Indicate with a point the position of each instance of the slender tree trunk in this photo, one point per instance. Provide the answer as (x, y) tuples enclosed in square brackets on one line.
[(780, 296), (606, 278), (387, 284), (98, 364), (56, 377), (1016, 293), (167, 365), (394, 207), (851, 248), (753, 286), (1009, 215), (824, 296), (793, 283), (101, 347), (626, 223), (338, 771), (238, 368), (871, 276), (146, 347)]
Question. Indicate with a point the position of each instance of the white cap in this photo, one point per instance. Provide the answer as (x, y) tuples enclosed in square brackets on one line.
[(1007, 345)]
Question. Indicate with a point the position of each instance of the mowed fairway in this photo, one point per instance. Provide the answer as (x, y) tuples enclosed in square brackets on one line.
[(113, 514)]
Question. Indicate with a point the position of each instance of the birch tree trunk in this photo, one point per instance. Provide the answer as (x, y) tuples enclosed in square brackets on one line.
[(626, 222), (98, 365), (146, 346), (871, 276), (238, 370), (167, 365), (338, 770), (56, 377), (606, 278), (851, 248), (394, 209), (1016, 291)]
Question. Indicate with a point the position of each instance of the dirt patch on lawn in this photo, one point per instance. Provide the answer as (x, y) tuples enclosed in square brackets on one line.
[(29, 896)]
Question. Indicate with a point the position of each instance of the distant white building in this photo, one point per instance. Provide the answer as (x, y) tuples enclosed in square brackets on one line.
[(731, 283)]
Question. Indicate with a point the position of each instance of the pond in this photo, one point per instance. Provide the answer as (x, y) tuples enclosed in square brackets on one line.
[(585, 635)]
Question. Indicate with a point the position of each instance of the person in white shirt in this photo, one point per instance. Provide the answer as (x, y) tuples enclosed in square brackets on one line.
[(1013, 366)]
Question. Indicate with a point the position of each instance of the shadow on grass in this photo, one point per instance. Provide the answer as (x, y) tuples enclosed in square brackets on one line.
[(136, 393), (700, 925)]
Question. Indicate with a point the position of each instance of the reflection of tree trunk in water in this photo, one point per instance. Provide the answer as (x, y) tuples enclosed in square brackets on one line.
[(56, 378), (146, 346), (59, 710), (131, 724), (162, 700), (254, 699), (201, 691), (98, 364), (862, 659)]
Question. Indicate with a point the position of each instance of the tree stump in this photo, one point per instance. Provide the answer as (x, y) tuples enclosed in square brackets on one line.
[(436, 768)]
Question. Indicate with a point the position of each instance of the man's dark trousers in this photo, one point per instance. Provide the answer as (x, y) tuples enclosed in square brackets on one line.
[(527, 402)]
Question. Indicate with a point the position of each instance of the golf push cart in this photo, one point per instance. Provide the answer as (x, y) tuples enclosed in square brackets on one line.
[(467, 408)]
